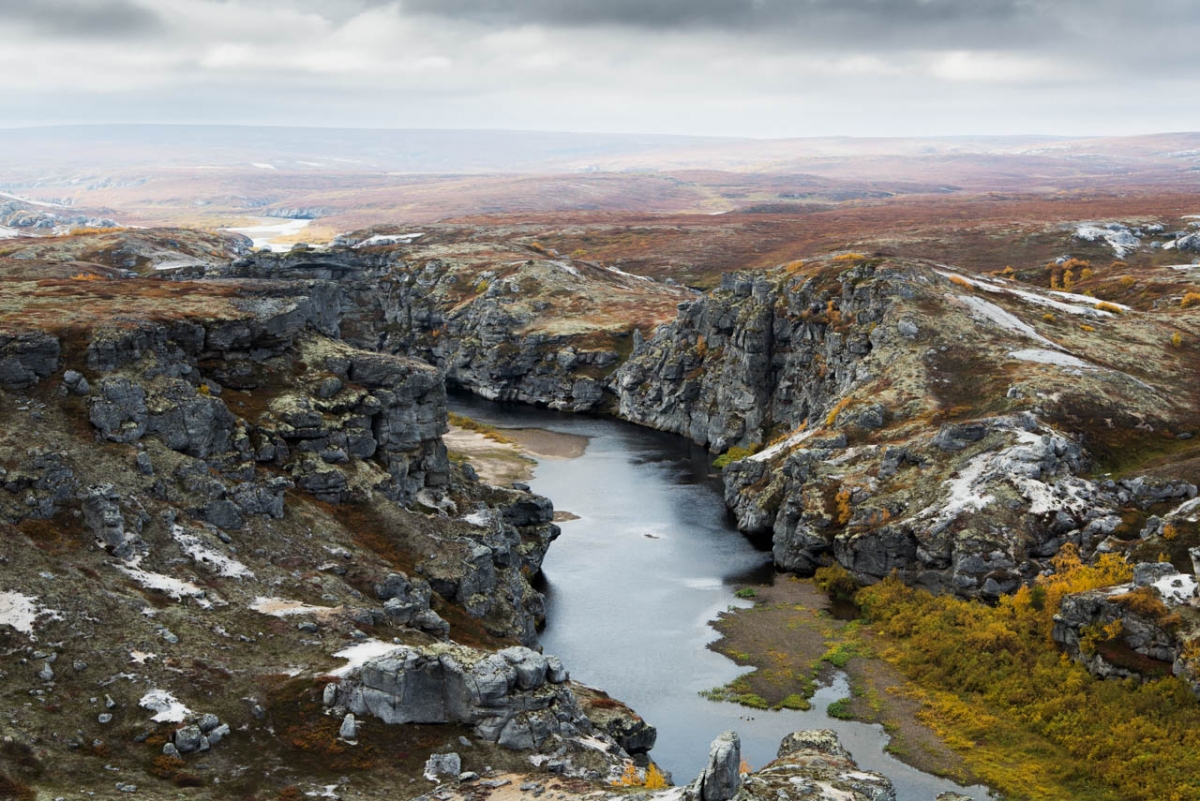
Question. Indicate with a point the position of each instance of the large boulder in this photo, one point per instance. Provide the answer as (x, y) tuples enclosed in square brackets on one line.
[(510, 697), (814, 765)]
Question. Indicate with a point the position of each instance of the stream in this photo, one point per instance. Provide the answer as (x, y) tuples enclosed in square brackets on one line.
[(632, 585)]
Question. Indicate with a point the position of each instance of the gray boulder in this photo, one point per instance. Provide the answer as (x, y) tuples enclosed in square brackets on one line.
[(505, 695), (720, 779), (102, 515)]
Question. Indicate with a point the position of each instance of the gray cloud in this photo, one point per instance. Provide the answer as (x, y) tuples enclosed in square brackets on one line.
[(869, 22), (81, 18)]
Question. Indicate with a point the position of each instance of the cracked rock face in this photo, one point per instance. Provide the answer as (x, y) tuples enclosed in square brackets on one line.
[(814, 765), (515, 698)]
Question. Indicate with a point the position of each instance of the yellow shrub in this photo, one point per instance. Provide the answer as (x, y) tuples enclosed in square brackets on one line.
[(87, 277), (849, 257), (1048, 317), (1086, 327), (1109, 307), (1127, 281), (1176, 340), (837, 409), (958, 280), (1190, 299), (843, 506)]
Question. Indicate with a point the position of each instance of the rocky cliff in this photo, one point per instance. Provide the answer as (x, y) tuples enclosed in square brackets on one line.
[(523, 326), (207, 498), (900, 416)]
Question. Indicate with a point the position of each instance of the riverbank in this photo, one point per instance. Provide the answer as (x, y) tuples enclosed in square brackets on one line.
[(817, 644), (502, 456)]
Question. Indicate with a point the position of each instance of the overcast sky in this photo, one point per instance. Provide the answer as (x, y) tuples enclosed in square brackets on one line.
[(762, 68)]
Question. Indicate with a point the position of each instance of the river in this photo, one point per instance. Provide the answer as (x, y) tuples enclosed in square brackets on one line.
[(632, 585)]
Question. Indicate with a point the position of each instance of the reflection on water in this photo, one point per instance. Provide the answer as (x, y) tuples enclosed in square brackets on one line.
[(632, 584)]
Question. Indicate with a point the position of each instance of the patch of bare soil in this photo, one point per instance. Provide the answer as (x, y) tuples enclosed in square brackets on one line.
[(497, 463), (548, 444)]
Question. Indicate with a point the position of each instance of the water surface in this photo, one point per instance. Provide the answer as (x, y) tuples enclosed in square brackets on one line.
[(632, 585)]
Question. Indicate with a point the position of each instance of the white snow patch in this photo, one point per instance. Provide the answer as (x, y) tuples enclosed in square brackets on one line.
[(1051, 357), (173, 587), (221, 564), (141, 657), (269, 230), (619, 271), (41, 203), (961, 493), (8, 233), (165, 706), (1069, 308), (478, 519), (361, 653), (281, 607), (996, 287), (785, 445), (21, 611), (1179, 588), (175, 265), (263, 165), (1118, 237), (1184, 509), (389, 239), (1087, 300), (1183, 267), (981, 308)]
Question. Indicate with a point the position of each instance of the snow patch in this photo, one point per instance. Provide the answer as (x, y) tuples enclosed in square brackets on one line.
[(361, 653), (478, 519), (996, 287), (1179, 588), (779, 447), (619, 271), (21, 611), (389, 239), (1119, 238), (1087, 300), (173, 587), (165, 706), (282, 607), (961, 493), (1051, 357), (263, 165), (141, 657), (987, 310), (221, 564), (265, 234), (175, 265)]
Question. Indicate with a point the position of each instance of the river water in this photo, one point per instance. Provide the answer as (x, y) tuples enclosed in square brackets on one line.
[(632, 585)]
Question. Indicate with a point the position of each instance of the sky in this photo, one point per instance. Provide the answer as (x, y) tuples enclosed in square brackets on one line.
[(754, 68)]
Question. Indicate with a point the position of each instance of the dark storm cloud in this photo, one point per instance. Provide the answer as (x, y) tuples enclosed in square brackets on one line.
[(81, 18), (915, 22)]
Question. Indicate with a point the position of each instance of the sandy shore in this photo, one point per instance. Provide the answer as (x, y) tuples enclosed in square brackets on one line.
[(502, 463)]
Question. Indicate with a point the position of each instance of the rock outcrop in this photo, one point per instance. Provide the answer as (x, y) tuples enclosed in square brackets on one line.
[(1143, 629), (516, 698), (815, 765), (720, 780), (828, 377)]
